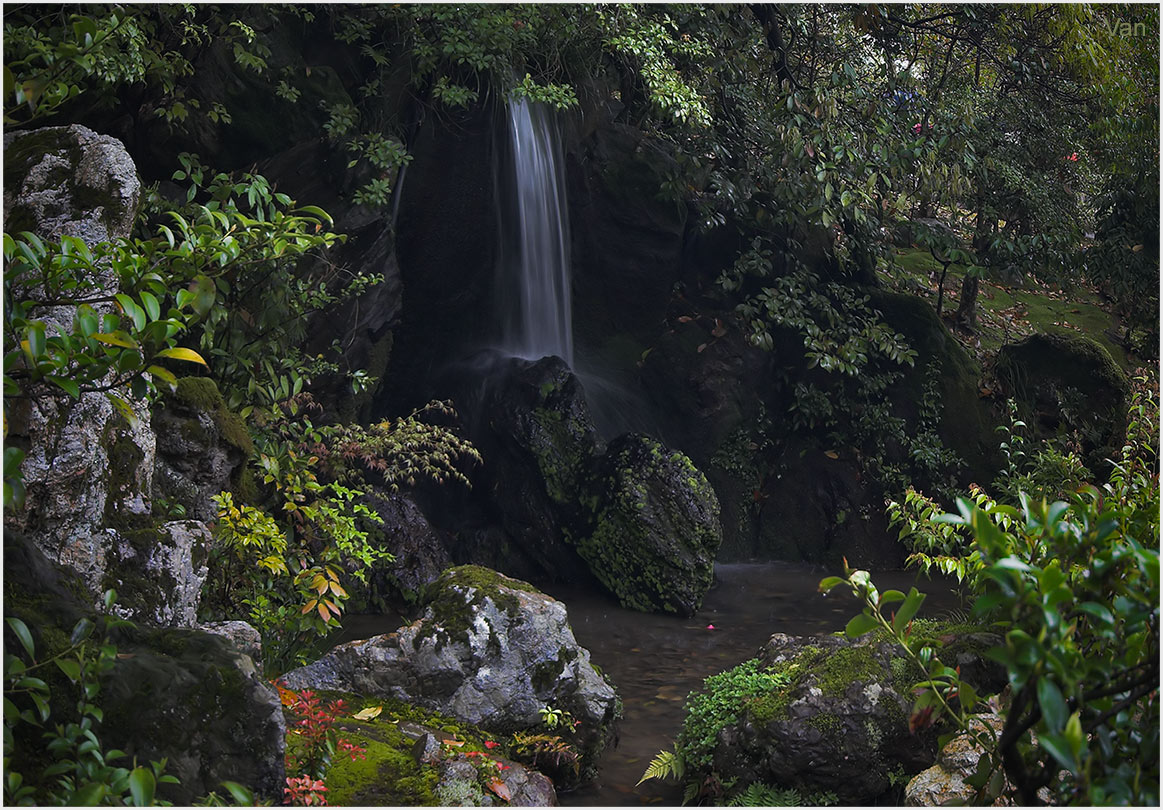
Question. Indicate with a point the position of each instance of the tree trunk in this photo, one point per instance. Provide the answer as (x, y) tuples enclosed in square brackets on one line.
[(966, 316)]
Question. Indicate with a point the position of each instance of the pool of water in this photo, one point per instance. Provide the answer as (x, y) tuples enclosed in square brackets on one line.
[(656, 660)]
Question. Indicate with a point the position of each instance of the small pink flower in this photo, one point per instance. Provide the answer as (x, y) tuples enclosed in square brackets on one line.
[(711, 626)]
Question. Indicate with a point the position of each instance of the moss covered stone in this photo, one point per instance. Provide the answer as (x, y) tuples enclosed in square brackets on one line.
[(656, 530), (455, 597), (1067, 384)]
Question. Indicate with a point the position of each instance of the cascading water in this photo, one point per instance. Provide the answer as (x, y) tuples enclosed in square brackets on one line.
[(537, 297)]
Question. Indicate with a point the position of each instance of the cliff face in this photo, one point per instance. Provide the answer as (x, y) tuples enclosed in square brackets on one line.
[(90, 521)]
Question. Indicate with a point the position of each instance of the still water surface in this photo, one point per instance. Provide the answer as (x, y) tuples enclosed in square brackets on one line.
[(655, 660)]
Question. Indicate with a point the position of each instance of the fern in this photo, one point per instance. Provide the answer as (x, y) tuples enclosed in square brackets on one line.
[(667, 765), (759, 794)]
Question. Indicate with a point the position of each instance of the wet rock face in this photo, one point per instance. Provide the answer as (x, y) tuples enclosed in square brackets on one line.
[(841, 724), (656, 529), (533, 428), (488, 650), (420, 550)]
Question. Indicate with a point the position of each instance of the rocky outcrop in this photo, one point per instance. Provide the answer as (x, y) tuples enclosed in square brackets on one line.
[(202, 449), (839, 724), (88, 467), (69, 181), (656, 528), (1065, 383), (193, 698), (488, 650)]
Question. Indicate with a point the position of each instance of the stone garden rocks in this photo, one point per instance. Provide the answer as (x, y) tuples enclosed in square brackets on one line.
[(488, 650)]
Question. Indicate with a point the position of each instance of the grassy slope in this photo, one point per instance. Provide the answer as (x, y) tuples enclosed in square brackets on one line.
[(1009, 313)]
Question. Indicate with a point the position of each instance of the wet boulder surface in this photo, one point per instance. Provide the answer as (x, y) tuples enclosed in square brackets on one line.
[(488, 650)]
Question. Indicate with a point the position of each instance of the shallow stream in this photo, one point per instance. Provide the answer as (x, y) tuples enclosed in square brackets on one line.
[(655, 660)]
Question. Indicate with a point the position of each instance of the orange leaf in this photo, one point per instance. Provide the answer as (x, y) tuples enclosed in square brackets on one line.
[(307, 608), (500, 788), (831, 454), (324, 612), (454, 743), (286, 696)]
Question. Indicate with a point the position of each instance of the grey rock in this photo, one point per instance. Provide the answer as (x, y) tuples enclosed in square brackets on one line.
[(944, 783), (245, 638), (158, 572), (420, 550), (195, 460), (191, 697), (492, 653), (69, 181)]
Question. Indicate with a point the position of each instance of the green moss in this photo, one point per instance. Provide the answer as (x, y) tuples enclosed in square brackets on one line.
[(387, 777), (390, 775), (201, 394)]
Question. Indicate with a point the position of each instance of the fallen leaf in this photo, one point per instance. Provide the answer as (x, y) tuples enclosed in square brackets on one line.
[(500, 788), (685, 319), (831, 454), (454, 743), (701, 347), (369, 713)]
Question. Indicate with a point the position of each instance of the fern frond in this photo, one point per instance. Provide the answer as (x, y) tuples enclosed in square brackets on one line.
[(666, 765)]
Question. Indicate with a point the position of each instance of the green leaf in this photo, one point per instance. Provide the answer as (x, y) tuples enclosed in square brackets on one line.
[(141, 787), (115, 339), (181, 353), (22, 633), (65, 384), (1059, 748), (152, 307), (859, 625), (70, 667), (1052, 703), (162, 374), (828, 583), (88, 796), (81, 631), (34, 337), (908, 610), (241, 794)]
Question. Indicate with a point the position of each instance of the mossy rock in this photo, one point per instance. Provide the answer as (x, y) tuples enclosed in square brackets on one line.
[(967, 424), (1066, 384), (202, 394), (656, 529)]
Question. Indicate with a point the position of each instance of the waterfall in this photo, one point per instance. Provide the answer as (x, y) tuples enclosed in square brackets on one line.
[(536, 304)]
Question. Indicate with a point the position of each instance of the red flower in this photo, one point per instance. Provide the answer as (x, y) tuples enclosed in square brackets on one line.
[(491, 744)]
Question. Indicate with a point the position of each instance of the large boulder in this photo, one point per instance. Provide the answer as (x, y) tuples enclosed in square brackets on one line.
[(530, 421), (656, 527), (420, 551), (837, 721), (88, 467), (489, 650), (196, 700), (1068, 384), (172, 693)]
